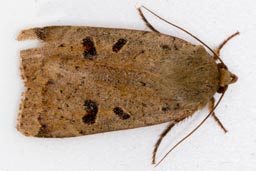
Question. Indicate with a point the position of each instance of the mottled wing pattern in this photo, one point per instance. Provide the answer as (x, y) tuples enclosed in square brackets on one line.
[(86, 80)]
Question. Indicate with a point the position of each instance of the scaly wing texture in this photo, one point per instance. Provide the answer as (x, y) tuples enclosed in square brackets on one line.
[(86, 80)]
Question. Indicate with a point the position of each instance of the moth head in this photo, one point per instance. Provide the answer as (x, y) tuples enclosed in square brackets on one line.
[(226, 77)]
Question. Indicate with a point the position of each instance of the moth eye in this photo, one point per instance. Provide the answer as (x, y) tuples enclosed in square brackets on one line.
[(119, 112), (119, 45), (91, 109), (89, 48)]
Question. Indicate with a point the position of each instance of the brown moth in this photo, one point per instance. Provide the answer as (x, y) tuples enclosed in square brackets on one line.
[(87, 80)]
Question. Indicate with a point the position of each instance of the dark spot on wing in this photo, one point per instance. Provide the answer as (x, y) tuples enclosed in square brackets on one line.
[(142, 83), (175, 47), (165, 47), (91, 109), (165, 108), (119, 112), (177, 106), (119, 44), (42, 131), (89, 48), (40, 33), (62, 45), (50, 82)]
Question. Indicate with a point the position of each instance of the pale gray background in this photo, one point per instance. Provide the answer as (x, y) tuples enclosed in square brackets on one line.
[(208, 149)]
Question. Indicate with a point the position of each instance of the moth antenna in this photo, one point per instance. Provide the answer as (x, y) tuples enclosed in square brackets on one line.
[(184, 30), (225, 41), (194, 130), (146, 21)]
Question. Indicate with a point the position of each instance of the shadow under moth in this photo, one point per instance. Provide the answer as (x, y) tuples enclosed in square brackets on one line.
[(87, 80)]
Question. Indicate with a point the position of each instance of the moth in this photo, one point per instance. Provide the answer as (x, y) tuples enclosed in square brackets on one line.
[(86, 80)]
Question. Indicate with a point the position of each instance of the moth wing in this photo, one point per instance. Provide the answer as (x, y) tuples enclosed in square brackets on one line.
[(90, 80)]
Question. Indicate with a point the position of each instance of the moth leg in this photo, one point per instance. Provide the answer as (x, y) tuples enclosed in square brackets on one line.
[(146, 21), (210, 107), (167, 129), (217, 50)]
